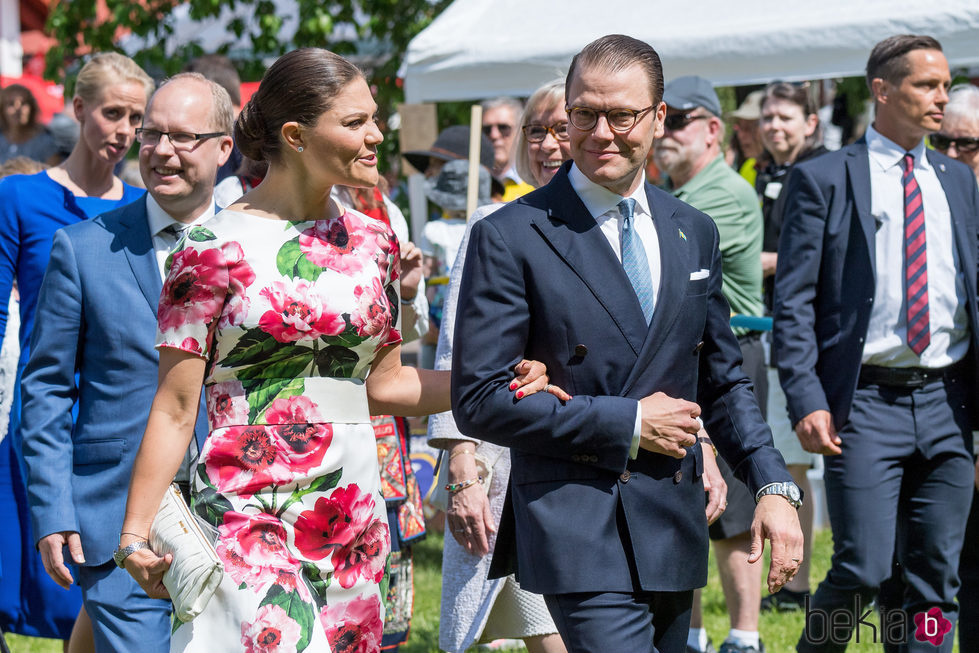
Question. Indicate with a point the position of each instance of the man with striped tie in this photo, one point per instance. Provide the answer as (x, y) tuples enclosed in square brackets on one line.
[(876, 342)]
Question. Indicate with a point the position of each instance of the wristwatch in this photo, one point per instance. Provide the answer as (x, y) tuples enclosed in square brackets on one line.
[(787, 489), (123, 552)]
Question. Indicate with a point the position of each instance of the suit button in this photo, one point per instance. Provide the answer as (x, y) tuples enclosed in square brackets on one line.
[(625, 476), (677, 477), (580, 351), (700, 345), (575, 457), (593, 459)]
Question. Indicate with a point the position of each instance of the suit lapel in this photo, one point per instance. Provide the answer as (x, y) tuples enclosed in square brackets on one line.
[(674, 279), (576, 238), (138, 245), (964, 243), (858, 173)]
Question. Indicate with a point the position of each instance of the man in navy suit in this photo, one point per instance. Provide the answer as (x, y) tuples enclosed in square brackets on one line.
[(96, 318), (876, 342), (616, 287)]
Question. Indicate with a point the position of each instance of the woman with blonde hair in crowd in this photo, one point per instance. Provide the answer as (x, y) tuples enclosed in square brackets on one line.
[(110, 94), (475, 608), (285, 308)]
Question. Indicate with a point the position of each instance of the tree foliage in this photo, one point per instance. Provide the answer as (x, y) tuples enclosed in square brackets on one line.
[(373, 32)]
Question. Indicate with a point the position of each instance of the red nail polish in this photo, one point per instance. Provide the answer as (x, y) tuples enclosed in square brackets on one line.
[(520, 394), (513, 386)]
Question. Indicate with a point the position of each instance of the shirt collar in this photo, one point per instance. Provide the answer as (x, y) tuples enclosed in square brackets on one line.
[(702, 178), (600, 200), (158, 219), (510, 175), (886, 153)]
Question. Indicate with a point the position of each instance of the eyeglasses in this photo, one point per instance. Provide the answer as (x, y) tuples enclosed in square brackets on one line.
[(963, 144), (619, 120), (179, 140), (677, 121), (537, 133), (504, 129)]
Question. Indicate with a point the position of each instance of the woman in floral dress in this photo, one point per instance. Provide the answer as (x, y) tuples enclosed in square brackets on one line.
[(281, 305)]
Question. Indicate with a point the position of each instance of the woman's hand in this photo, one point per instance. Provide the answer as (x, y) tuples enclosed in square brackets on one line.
[(411, 270), (147, 569), (532, 378), (468, 516), (714, 484)]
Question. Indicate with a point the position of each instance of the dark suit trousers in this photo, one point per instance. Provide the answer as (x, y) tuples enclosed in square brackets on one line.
[(902, 487), (642, 622), (969, 591)]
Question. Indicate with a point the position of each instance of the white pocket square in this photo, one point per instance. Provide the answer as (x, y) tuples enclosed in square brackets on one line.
[(699, 274)]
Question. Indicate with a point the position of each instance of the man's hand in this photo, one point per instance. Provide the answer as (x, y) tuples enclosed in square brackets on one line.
[(776, 520), (817, 434), (532, 378), (51, 548), (668, 424), (411, 270), (714, 484)]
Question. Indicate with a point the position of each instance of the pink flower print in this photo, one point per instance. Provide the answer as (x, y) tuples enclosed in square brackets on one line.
[(338, 524), (298, 312), (242, 459), (227, 404), (254, 549), (292, 410), (240, 276), (272, 631), (373, 313), (365, 557), (192, 345), (194, 289), (335, 244), (355, 626), (306, 437)]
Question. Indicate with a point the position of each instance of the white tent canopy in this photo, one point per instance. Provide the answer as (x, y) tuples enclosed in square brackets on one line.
[(485, 48)]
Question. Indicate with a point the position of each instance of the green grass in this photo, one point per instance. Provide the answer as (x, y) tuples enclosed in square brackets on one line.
[(779, 631)]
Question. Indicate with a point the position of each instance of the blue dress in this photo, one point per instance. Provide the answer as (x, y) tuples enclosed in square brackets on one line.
[(32, 208)]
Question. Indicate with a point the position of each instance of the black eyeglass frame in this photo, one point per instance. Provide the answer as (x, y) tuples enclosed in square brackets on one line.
[(547, 128), (636, 114), (502, 127), (671, 119), (197, 138), (970, 143)]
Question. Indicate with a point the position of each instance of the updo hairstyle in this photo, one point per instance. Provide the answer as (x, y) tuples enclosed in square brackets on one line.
[(106, 69), (298, 87)]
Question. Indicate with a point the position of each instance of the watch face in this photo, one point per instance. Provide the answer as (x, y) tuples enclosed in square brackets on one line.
[(794, 492)]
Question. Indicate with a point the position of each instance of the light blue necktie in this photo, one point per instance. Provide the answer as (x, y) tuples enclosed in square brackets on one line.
[(634, 259)]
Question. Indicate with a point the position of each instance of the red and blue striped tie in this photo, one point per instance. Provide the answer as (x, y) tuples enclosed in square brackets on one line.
[(915, 261)]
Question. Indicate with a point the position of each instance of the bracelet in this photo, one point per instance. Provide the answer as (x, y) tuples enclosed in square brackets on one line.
[(408, 302), (710, 442), (452, 488), (142, 537), (459, 453)]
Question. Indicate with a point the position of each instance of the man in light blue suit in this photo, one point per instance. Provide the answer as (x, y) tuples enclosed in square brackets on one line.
[(93, 344)]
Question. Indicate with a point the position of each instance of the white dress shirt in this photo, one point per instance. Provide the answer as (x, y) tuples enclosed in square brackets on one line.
[(159, 220), (886, 342), (603, 205)]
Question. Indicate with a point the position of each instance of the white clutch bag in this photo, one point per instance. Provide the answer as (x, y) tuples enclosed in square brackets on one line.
[(196, 570)]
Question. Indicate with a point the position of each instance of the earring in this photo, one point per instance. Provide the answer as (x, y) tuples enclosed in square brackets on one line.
[(300, 148)]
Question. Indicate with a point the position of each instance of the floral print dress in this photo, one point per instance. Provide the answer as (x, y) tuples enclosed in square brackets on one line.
[(289, 316)]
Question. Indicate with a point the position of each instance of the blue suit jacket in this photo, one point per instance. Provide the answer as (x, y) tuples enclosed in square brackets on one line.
[(541, 282), (824, 284), (96, 316)]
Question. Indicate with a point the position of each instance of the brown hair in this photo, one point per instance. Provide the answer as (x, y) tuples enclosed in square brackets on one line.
[(616, 52), (799, 95), (25, 93), (887, 60), (298, 87)]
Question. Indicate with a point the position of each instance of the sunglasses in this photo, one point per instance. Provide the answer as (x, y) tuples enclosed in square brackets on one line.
[(677, 121), (504, 129), (963, 144)]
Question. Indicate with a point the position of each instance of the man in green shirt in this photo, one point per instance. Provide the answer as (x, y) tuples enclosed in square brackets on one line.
[(690, 153)]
